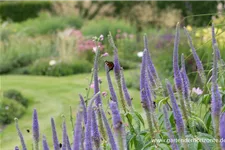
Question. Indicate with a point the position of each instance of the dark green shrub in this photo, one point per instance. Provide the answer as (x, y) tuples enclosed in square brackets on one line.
[(17, 96), (9, 109), (20, 11), (42, 67)]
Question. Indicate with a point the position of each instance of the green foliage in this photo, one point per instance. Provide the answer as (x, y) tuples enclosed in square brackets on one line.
[(103, 26), (9, 109), (17, 96), (42, 67), (20, 11)]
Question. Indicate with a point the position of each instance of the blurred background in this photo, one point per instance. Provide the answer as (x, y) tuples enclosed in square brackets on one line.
[(54, 39)]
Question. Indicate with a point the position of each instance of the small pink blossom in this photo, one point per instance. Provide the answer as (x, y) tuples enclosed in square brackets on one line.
[(105, 54), (197, 91), (104, 94), (101, 37), (95, 49), (92, 86)]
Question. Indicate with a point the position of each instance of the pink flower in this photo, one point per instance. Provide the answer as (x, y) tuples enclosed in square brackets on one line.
[(104, 94), (101, 37), (104, 55), (197, 91), (92, 86), (95, 49)]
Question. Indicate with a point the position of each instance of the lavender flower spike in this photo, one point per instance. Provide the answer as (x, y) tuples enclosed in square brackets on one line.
[(84, 108), (197, 59), (216, 99), (17, 148), (44, 143), (214, 43), (78, 131), (54, 136), (169, 129), (222, 131), (111, 89), (64, 139), (88, 141), (118, 126), (109, 132), (176, 70), (35, 128), (125, 91), (176, 111), (95, 132), (20, 135)]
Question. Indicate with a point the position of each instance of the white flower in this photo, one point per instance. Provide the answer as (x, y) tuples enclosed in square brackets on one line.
[(197, 91), (140, 54), (52, 62), (101, 37)]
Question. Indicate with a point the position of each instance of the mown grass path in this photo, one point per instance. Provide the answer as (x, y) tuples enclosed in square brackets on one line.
[(52, 97)]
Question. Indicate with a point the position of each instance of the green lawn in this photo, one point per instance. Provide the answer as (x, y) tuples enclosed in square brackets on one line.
[(52, 97)]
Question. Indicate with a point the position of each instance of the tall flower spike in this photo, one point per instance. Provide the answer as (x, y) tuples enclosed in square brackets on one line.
[(176, 70), (95, 132), (118, 126), (111, 89), (17, 148), (216, 99), (169, 129), (222, 131), (197, 59), (176, 111), (44, 143), (78, 131), (109, 132), (125, 91), (84, 108), (35, 128), (186, 84), (96, 82), (54, 136), (214, 43), (64, 139), (20, 135), (144, 97), (88, 141)]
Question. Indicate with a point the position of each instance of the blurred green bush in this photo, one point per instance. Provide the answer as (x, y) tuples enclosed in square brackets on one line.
[(9, 109), (16, 95), (21, 10), (59, 68)]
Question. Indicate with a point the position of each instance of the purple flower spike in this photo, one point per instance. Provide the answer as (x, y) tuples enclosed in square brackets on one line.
[(118, 126), (35, 128), (216, 99), (95, 132), (125, 91), (109, 132), (176, 70), (78, 131), (176, 111), (144, 97), (64, 141), (149, 60), (111, 89), (96, 82), (88, 141), (197, 59), (84, 108), (20, 135), (214, 43), (222, 131), (44, 143), (169, 129), (54, 136), (116, 65), (17, 148), (184, 78)]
